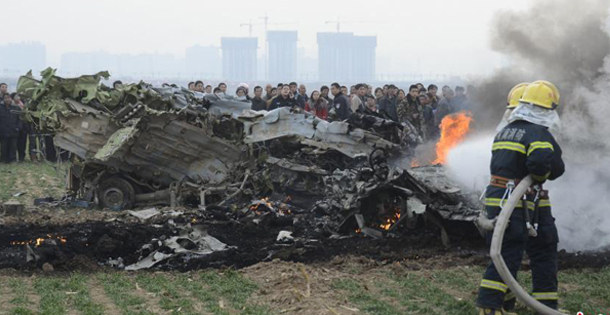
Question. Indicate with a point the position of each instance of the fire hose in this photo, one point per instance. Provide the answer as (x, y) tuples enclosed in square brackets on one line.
[(496, 249)]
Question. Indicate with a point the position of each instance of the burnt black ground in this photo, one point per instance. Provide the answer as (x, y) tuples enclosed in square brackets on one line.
[(99, 241)]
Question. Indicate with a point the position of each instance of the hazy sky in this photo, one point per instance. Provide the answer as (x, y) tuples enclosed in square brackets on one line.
[(430, 36)]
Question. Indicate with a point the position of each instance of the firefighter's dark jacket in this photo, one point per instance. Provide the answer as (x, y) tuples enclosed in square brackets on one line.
[(523, 148)]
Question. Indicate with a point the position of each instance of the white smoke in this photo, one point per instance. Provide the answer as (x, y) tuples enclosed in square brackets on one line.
[(576, 56), (580, 198)]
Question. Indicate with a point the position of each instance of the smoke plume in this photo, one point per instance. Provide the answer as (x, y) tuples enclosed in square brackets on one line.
[(567, 43)]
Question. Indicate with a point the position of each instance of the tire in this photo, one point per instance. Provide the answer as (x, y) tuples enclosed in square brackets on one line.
[(116, 194)]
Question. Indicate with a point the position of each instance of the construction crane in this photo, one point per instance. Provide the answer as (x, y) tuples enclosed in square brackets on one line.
[(265, 23), (338, 23), (249, 25)]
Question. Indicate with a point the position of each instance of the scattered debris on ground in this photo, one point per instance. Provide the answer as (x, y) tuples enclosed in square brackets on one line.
[(208, 182)]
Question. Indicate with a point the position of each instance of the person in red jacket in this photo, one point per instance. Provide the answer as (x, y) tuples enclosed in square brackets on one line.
[(317, 105)]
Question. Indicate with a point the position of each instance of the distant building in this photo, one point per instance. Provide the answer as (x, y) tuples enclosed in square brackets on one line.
[(18, 58), (345, 57), (282, 55), (203, 62), (239, 58)]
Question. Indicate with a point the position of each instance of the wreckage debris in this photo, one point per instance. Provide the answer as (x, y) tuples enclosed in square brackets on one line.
[(145, 146)]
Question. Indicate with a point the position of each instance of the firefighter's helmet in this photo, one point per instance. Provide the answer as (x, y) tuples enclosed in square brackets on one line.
[(541, 93), (515, 95)]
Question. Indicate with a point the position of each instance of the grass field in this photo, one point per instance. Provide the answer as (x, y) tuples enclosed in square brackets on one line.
[(346, 285), (382, 290)]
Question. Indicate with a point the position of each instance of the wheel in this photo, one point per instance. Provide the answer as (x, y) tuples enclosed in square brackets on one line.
[(116, 193)]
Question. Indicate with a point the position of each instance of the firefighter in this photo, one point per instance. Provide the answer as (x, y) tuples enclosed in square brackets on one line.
[(525, 146), (511, 103)]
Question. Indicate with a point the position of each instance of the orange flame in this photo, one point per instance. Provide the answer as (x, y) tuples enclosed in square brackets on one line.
[(281, 208), (389, 221), (415, 163), (454, 128), (41, 240)]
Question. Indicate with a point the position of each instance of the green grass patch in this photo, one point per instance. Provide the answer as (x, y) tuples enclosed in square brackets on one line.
[(79, 296), (56, 293), (223, 293), (585, 290), (53, 298), (13, 180), (119, 289), (366, 300), (171, 295), (21, 302)]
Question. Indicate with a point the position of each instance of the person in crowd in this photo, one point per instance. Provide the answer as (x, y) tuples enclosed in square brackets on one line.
[(419, 86), (268, 88), (370, 107), (293, 90), (460, 101), (32, 134), (258, 103), (344, 90), (223, 87), (24, 131), (10, 125), (423, 91), (208, 89), (385, 89), (445, 105), (283, 99), (218, 92), (400, 96), (240, 94), (430, 130), (352, 92), (357, 101), (387, 104), (317, 105), (432, 96), (191, 86), (378, 94), (117, 84), (410, 110), (246, 88), (341, 104), (302, 97), (199, 86), (324, 93)]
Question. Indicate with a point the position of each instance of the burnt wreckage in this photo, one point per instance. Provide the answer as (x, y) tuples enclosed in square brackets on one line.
[(140, 145)]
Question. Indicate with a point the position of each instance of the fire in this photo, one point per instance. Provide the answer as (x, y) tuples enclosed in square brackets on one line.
[(264, 201), (415, 163), (41, 240), (454, 128), (390, 221), (281, 209)]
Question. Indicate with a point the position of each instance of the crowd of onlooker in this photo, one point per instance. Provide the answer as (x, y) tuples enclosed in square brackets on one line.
[(421, 107), (18, 138)]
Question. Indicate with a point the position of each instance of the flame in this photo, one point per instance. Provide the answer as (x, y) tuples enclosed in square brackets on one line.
[(391, 220), (41, 240), (281, 208), (415, 163), (265, 201), (454, 128)]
